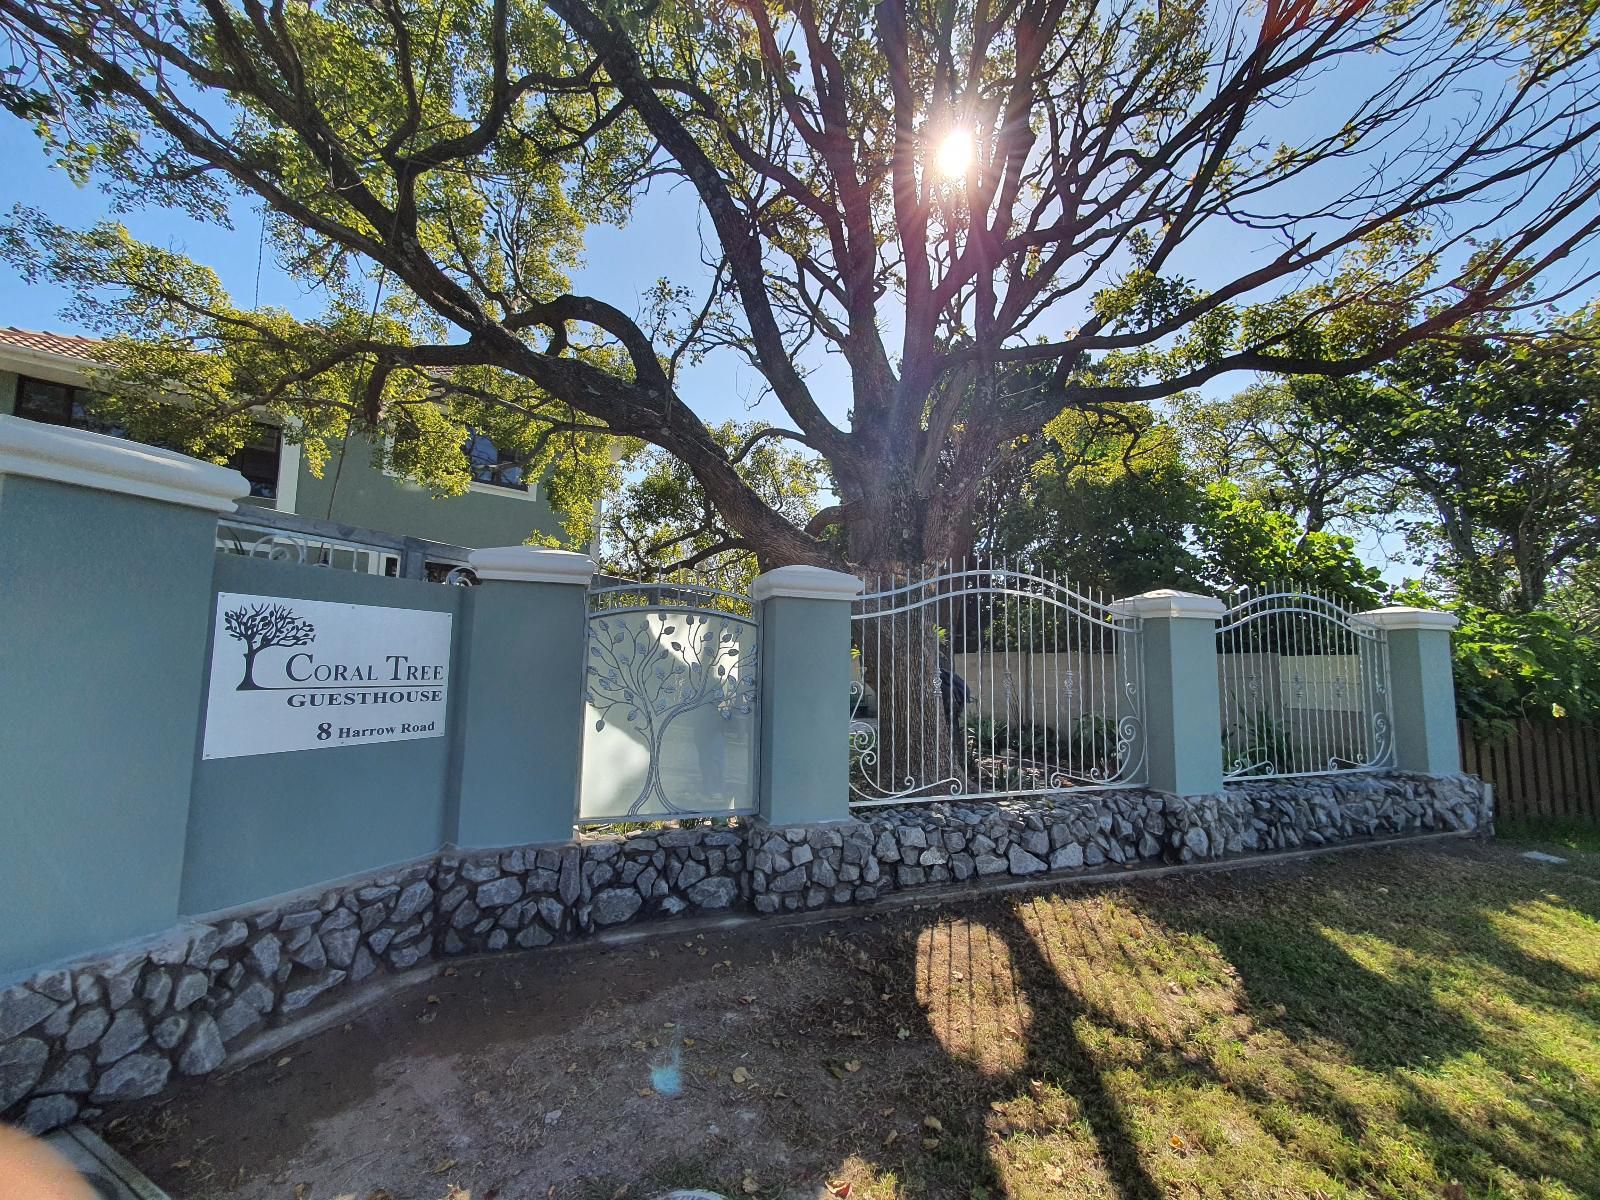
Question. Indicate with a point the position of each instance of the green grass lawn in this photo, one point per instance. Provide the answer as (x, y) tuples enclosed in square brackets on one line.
[(1417, 1025)]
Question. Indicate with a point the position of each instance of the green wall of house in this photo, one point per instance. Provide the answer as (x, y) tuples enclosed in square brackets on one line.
[(361, 494)]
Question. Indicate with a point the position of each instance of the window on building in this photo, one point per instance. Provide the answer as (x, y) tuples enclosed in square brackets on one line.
[(63, 404), (491, 465), (58, 404), (257, 460)]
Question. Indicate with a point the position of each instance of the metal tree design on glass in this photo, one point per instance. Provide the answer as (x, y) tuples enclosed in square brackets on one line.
[(647, 677)]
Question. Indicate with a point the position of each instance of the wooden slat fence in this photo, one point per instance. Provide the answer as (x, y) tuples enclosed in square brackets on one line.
[(1544, 771)]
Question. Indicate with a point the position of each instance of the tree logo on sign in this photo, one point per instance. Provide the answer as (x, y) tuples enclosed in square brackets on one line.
[(260, 626)]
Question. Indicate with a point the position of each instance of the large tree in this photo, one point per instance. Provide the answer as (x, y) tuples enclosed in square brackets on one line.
[(931, 192), (1497, 446)]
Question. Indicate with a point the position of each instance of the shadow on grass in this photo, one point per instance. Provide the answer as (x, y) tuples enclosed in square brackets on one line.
[(1349, 1029)]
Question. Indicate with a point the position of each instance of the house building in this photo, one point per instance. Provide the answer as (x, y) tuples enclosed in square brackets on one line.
[(44, 377)]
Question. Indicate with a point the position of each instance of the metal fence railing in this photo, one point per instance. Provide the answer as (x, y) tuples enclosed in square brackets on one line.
[(1304, 685), (286, 537), (990, 681)]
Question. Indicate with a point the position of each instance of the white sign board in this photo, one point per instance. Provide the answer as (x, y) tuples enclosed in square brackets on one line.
[(290, 674)]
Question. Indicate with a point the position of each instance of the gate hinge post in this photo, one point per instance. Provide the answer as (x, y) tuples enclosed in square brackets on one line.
[(519, 739), (1183, 705), (803, 764), (1422, 691)]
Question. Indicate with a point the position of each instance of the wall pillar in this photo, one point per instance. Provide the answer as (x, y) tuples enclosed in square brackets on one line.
[(1182, 705), (803, 762), (1422, 690), (519, 728), (107, 549)]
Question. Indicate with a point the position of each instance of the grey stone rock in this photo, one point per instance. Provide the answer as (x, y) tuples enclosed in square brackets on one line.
[(571, 875), (790, 881), (552, 912), (380, 940), (299, 920), (86, 1028), (49, 1112), (673, 905), (961, 867), (21, 1064), (376, 895), (340, 945), (297, 998), (73, 1075), (21, 1009), (1036, 842), (363, 965), (413, 900), (542, 880), (1022, 862), (451, 899), (1149, 847), (204, 1053), (801, 855), (989, 864), (235, 1019), (1067, 858), (310, 955), (373, 916), (615, 905), (1197, 842), (536, 935), (912, 836), (453, 943), (716, 892), (1093, 856), (133, 1077), (480, 872), (87, 989), (933, 856), (169, 1033), (823, 873), (233, 934), (192, 988), (127, 1034), (207, 941), (498, 940), (460, 919), (911, 876), (264, 955), (55, 984), (691, 874)]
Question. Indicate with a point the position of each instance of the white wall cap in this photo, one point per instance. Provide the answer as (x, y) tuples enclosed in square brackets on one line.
[(1167, 602), (112, 464), (532, 564), (805, 583), (1401, 617)]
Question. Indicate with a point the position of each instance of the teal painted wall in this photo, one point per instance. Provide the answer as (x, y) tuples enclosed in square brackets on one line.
[(803, 769), (366, 497), (1182, 741), (104, 605), (271, 823), (522, 714), (1424, 698)]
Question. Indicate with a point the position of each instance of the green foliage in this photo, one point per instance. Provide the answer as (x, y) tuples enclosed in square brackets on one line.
[(1242, 542), (1512, 666), (661, 518), (1494, 436)]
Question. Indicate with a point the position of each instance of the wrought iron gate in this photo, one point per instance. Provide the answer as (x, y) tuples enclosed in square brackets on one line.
[(1304, 686), (991, 681), (670, 725)]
